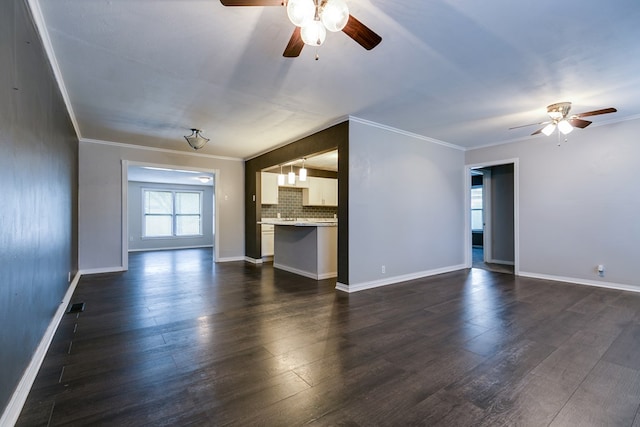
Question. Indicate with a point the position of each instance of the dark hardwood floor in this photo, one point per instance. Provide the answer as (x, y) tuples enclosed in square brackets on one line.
[(178, 340)]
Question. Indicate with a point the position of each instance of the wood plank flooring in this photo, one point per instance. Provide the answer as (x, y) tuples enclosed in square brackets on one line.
[(179, 340)]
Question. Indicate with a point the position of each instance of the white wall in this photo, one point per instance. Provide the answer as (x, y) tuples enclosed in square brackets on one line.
[(579, 204), (406, 206), (100, 201)]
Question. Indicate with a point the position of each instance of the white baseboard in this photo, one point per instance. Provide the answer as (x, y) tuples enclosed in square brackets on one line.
[(252, 260), (230, 259), (19, 397), (174, 248), (501, 262), (102, 270), (586, 282), (309, 274), (355, 287)]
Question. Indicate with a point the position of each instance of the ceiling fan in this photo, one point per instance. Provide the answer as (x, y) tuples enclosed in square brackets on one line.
[(560, 118), (312, 18)]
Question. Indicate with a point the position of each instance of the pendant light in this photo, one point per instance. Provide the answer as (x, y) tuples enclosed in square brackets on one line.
[(302, 174), (292, 176), (281, 177)]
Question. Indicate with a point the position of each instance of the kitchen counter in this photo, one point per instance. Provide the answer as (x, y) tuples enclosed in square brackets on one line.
[(306, 247), (301, 222)]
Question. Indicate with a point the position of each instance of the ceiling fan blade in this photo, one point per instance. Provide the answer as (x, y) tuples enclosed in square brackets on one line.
[(537, 132), (295, 45), (361, 33), (596, 112), (579, 123), (252, 2), (530, 124)]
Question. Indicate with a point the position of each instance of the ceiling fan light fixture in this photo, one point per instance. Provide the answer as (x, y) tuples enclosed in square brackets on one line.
[(548, 129), (314, 33), (564, 127), (335, 15), (301, 12), (196, 140)]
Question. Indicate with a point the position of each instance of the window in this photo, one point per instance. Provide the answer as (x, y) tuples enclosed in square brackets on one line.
[(476, 209), (169, 213)]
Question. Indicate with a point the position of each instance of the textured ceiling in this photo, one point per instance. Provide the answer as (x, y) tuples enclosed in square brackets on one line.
[(463, 72)]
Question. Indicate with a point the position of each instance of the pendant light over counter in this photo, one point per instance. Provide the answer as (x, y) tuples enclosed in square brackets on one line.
[(291, 176)]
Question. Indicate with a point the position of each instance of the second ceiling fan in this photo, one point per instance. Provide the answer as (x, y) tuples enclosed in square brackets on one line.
[(560, 118), (312, 18)]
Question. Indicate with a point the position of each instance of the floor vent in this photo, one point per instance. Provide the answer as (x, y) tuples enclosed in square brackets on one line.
[(76, 308)]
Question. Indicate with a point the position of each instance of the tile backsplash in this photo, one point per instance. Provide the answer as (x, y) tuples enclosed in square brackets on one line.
[(290, 206)]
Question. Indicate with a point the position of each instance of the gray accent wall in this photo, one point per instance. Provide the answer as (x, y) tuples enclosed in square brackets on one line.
[(578, 203), (134, 208), (38, 182), (100, 200), (406, 206)]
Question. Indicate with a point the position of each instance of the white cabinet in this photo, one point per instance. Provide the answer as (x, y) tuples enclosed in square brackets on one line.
[(269, 183), (297, 184), (321, 192), (267, 239)]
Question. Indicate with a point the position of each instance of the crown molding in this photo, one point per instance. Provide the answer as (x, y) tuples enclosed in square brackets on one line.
[(38, 19), (327, 125), (159, 150), (405, 133)]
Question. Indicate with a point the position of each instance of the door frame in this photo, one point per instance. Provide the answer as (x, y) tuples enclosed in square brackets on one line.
[(516, 209), (125, 204)]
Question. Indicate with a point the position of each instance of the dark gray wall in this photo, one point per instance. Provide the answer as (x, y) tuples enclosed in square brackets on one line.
[(502, 243), (136, 242), (38, 183), (336, 136)]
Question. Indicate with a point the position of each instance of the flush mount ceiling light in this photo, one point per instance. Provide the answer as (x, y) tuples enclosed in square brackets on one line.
[(204, 179), (196, 140), (560, 119)]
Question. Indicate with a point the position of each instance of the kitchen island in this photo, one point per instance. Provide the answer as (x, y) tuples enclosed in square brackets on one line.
[(306, 247)]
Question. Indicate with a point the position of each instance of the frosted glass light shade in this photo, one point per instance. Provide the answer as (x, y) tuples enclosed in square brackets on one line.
[(335, 15), (565, 127), (314, 33), (301, 12), (292, 178), (302, 174), (548, 129), (281, 179)]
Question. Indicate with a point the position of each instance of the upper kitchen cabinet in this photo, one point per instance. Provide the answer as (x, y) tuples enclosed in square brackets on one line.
[(321, 192), (297, 184), (269, 188)]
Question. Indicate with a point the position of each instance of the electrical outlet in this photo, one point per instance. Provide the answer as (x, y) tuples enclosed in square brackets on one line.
[(384, 269), (601, 270)]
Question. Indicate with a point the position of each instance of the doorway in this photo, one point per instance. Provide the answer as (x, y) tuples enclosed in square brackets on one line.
[(492, 217), (167, 207)]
